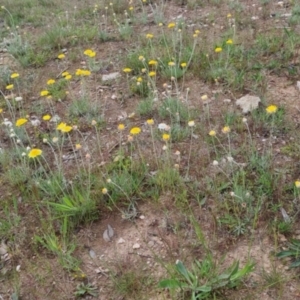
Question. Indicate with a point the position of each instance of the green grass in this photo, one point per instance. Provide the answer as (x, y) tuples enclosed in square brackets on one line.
[(104, 154)]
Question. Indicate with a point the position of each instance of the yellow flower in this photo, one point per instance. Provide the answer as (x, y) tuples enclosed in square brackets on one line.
[(127, 70), (50, 81), (14, 75), (171, 25), (204, 97), (61, 125), (228, 15), (78, 146), (150, 122), (141, 58), (44, 93), (183, 65), (229, 42), (191, 123), (46, 117), (165, 137), (197, 31), (67, 129), (212, 133), (104, 191), (34, 152), (139, 79), (90, 53), (171, 64), (152, 62), (160, 24), (149, 36), (68, 77), (1, 110), (121, 127), (85, 72), (218, 50), (152, 74), (271, 109), (21, 122), (80, 72), (135, 130), (10, 87), (64, 74), (226, 129), (297, 184), (131, 8), (61, 56)]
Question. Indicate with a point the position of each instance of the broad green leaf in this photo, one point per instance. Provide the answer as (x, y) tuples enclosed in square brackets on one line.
[(169, 284), (182, 270), (295, 264)]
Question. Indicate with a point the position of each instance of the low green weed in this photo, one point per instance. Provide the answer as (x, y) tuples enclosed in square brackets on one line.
[(204, 278)]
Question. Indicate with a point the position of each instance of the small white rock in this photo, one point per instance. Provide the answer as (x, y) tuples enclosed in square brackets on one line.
[(248, 103), (111, 76), (121, 241), (136, 246), (142, 217)]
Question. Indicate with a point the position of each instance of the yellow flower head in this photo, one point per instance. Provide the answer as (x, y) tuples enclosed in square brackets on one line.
[(68, 77), (89, 53), (1, 110), (46, 117), (61, 56), (80, 72), (191, 123), (152, 62), (297, 184), (228, 15), (171, 25), (50, 81), (78, 146), (150, 122), (171, 64), (21, 122), (229, 42), (104, 191), (141, 58), (64, 74), (226, 129), (152, 74), (166, 137), (183, 65), (121, 127), (44, 93), (212, 133), (149, 35), (14, 75), (197, 31), (131, 8), (127, 70), (271, 109), (218, 50), (34, 152), (10, 87), (135, 130), (63, 127), (139, 79)]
